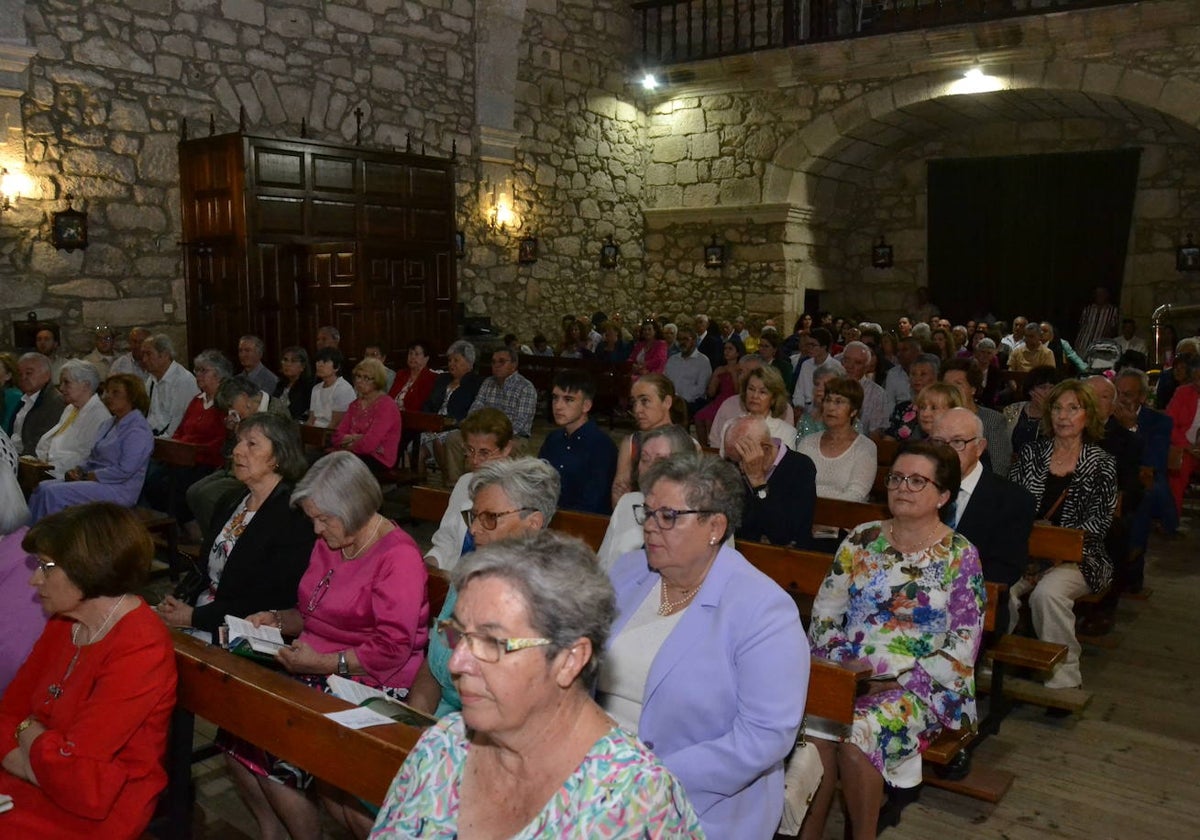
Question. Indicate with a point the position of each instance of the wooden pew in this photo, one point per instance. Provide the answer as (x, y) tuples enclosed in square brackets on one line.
[(279, 714)]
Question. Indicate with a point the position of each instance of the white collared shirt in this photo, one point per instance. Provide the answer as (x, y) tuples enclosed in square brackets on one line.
[(969, 482)]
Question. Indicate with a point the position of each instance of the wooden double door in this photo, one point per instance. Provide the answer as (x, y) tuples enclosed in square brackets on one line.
[(283, 237)]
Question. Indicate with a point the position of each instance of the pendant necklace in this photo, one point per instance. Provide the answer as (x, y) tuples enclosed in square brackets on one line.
[(56, 689), (370, 539)]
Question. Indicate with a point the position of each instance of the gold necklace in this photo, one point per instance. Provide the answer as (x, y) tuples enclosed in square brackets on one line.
[(925, 543)]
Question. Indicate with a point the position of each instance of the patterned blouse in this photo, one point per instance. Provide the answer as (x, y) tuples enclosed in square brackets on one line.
[(620, 790), (918, 616)]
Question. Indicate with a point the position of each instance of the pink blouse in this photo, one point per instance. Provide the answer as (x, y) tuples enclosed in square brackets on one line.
[(375, 604), (379, 426), (652, 354)]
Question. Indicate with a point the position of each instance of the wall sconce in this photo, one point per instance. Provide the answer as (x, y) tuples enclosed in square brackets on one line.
[(499, 210), (881, 254), (714, 254), (12, 185), (608, 253), (1187, 258)]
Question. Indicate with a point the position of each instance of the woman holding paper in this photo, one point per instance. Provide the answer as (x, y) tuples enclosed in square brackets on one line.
[(85, 719), (362, 612), (256, 558)]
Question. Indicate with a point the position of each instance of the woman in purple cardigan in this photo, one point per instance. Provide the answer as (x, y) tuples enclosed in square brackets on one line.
[(707, 661), (116, 467)]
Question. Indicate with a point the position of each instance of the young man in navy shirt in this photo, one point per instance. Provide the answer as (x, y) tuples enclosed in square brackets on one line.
[(584, 456)]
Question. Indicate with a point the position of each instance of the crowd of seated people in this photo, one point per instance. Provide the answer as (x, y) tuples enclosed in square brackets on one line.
[(778, 423)]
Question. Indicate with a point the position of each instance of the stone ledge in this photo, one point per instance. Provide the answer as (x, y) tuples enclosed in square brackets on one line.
[(763, 214)]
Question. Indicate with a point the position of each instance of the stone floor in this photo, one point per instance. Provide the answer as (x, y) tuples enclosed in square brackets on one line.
[(1126, 768)]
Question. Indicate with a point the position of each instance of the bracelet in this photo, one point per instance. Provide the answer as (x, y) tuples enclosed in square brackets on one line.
[(278, 620), (21, 727)]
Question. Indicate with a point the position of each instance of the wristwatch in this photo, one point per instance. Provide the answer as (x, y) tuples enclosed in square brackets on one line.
[(761, 491), (343, 666)]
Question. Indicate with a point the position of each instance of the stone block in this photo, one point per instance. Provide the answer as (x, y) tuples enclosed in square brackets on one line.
[(686, 121), (700, 195), (1101, 78), (135, 217), (138, 310), (99, 164), (252, 12), (219, 31), (289, 22), (1179, 98), (49, 262), (669, 149), (740, 191), (704, 146), (159, 160), (1157, 204), (105, 52), (156, 267), (84, 288), (658, 174)]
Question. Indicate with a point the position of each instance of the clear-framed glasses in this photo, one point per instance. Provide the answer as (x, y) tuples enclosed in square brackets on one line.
[(484, 453), (45, 566), (1068, 410), (957, 444), (835, 399), (665, 517), (488, 518), (319, 591), (483, 647), (916, 483)]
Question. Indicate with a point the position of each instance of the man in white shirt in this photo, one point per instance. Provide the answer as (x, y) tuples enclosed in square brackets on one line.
[(131, 361), (816, 347), (1127, 341), (897, 386), (170, 385), (689, 370), (1016, 338), (856, 359)]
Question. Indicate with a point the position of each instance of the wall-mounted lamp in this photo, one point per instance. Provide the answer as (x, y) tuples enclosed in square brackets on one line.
[(1187, 257), (608, 253), (881, 254), (714, 254), (649, 82), (498, 208), (12, 186)]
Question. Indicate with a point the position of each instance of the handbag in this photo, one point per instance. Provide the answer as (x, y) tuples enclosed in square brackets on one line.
[(801, 778), (190, 586)]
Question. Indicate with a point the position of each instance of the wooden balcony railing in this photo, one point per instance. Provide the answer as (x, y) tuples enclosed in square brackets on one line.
[(677, 31)]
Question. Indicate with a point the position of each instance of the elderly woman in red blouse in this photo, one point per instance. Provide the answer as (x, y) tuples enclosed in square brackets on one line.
[(370, 428)]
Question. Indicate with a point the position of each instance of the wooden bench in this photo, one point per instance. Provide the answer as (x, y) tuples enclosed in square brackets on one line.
[(613, 381), (279, 714)]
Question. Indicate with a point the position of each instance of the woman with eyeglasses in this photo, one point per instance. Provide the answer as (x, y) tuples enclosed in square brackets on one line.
[(531, 755), (370, 428), (905, 596), (508, 498), (295, 382), (85, 719), (708, 662), (1074, 483), (844, 458), (362, 612)]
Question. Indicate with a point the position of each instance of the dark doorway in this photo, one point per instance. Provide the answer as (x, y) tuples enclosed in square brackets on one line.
[(1030, 235)]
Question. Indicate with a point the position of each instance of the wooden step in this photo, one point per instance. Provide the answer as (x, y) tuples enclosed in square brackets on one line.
[(984, 783), (1028, 691), (1024, 652)]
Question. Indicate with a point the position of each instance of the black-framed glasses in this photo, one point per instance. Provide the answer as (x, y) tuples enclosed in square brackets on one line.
[(45, 566), (488, 518), (483, 647), (915, 482), (957, 444), (665, 517)]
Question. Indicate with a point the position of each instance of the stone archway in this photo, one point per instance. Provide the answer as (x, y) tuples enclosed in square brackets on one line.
[(828, 163)]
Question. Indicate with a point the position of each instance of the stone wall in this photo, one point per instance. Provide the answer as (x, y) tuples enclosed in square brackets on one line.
[(112, 83)]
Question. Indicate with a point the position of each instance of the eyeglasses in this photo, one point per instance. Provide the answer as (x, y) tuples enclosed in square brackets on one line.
[(45, 566), (488, 519), (833, 399), (481, 646), (1069, 410), (664, 517), (319, 591), (472, 452), (916, 483), (957, 444)]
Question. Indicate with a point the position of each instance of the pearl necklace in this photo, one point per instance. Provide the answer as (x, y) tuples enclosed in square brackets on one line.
[(370, 539), (56, 689), (666, 606)]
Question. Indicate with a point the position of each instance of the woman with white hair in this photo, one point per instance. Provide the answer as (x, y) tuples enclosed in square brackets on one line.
[(67, 444)]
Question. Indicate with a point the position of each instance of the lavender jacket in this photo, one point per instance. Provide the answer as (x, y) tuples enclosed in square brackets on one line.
[(725, 695)]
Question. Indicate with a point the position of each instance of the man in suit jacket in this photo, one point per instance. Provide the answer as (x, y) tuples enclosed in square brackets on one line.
[(1153, 428), (709, 343), (41, 404), (993, 513), (780, 485)]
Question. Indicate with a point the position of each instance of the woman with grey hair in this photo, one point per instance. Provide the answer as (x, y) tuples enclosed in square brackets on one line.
[(361, 612), (624, 534), (529, 707), (260, 544), (905, 423), (453, 394), (67, 444), (508, 498), (708, 661)]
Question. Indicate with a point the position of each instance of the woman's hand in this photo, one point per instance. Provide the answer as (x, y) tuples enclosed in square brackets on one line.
[(300, 658), (349, 441), (288, 622), (174, 612)]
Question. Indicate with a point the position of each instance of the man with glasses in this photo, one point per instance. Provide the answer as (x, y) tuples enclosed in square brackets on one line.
[(780, 485), (507, 391), (995, 514)]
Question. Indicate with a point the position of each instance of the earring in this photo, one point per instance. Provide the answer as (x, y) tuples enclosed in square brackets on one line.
[(713, 541)]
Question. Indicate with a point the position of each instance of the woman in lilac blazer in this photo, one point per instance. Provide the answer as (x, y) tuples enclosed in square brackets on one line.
[(708, 660)]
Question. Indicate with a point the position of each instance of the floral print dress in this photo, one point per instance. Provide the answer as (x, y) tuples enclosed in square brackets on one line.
[(619, 790), (918, 619)]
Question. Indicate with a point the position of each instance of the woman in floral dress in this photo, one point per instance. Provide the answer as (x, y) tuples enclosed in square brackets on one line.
[(906, 596)]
